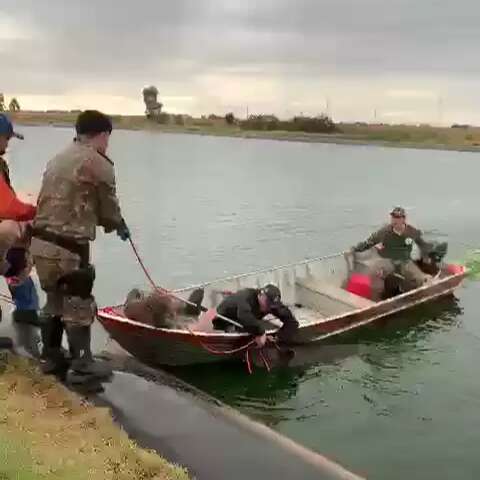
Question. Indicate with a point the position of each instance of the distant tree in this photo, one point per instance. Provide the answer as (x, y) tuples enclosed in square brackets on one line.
[(14, 105), (230, 118), (153, 108), (2, 103)]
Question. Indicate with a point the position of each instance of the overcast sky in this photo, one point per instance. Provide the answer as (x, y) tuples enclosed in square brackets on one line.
[(411, 60)]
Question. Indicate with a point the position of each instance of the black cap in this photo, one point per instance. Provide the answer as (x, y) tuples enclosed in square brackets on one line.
[(273, 294), (93, 122), (398, 212)]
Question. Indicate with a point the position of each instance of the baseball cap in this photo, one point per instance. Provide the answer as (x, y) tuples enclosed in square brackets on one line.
[(93, 122), (6, 127), (398, 212), (273, 294)]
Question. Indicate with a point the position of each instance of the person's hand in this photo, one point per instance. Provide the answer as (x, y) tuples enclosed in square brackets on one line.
[(261, 340), (123, 232), (379, 246)]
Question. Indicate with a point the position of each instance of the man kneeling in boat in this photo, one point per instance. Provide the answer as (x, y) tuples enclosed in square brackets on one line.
[(394, 243), (162, 310), (250, 305)]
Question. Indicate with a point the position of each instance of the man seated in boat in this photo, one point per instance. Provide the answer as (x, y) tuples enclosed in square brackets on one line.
[(162, 310), (394, 243), (250, 305)]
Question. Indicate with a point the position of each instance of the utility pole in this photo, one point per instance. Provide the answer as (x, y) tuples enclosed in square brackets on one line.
[(247, 112), (440, 110), (328, 107)]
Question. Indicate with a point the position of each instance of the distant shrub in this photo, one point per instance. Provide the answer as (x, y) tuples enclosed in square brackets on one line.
[(261, 122), (162, 118), (230, 118), (203, 123), (179, 120), (319, 124)]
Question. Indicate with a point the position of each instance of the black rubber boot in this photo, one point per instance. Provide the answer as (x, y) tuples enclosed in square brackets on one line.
[(29, 317), (196, 298), (53, 359), (5, 342), (84, 369), (28, 341), (26, 323)]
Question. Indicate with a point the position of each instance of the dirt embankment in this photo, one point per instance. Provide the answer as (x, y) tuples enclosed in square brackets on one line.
[(48, 432)]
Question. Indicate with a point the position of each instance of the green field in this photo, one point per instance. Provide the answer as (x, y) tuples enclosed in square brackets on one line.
[(424, 136), (47, 432)]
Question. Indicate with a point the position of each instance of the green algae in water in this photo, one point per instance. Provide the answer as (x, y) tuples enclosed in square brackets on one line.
[(472, 262)]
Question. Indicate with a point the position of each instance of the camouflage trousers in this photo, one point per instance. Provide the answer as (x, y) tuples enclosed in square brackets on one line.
[(54, 264), (413, 277)]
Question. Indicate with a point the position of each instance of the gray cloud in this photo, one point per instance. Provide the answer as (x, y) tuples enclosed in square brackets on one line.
[(114, 46)]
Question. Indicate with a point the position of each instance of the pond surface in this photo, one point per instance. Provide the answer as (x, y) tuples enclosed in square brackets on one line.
[(397, 401)]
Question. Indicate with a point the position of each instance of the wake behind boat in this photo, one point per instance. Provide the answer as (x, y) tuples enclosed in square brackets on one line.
[(327, 295)]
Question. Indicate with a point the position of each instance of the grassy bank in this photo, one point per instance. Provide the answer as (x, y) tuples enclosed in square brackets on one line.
[(464, 139), (47, 432)]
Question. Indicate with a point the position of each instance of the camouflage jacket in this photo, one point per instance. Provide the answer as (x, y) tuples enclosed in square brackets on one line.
[(394, 246), (78, 194)]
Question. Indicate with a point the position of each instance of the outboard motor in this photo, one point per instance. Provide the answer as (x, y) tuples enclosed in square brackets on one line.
[(432, 257)]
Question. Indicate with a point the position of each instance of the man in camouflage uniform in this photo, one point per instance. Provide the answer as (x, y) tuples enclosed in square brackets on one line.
[(394, 243), (78, 194)]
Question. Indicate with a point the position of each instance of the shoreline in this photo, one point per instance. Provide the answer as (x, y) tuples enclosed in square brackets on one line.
[(353, 135), (47, 429), (146, 424), (256, 449)]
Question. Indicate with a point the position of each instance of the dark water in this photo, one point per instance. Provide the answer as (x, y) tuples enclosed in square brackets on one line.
[(400, 400)]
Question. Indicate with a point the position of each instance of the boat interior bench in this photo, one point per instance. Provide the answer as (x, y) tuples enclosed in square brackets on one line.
[(326, 298)]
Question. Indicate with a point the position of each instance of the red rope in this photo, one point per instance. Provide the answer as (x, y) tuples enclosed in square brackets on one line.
[(221, 352), (145, 270), (247, 360), (164, 291), (264, 360)]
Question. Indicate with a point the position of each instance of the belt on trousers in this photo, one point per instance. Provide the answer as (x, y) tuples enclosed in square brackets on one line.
[(70, 244)]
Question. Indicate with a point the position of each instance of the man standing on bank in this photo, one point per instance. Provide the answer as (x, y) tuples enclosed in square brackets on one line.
[(78, 194)]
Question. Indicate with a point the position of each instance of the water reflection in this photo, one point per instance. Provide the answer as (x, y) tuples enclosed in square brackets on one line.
[(274, 396)]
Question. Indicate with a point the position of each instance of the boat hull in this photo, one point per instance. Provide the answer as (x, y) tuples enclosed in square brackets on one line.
[(157, 346)]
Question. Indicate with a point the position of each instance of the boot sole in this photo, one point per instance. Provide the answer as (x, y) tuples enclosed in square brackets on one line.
[(6, 343), (92, 387), (74, 378)]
